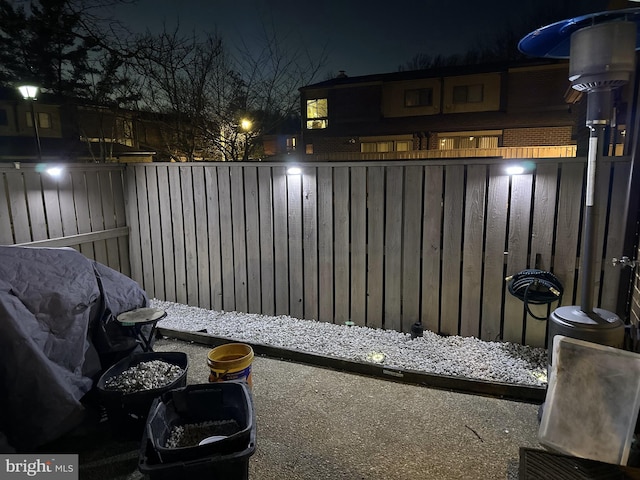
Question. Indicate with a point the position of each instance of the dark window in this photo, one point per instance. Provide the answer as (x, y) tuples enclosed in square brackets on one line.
[(467, 94), (418, 97), (3, 117)]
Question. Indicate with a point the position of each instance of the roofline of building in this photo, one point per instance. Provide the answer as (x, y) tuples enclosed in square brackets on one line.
[(448, 71)]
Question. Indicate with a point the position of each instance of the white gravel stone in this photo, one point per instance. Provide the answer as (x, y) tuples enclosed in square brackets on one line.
[(466, 357)]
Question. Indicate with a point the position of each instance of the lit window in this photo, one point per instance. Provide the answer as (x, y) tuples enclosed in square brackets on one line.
[(308, 148), (317, 113), (44, 120), (450, 143), (403, 146), (467, 94), (291, 143), (418, 97)]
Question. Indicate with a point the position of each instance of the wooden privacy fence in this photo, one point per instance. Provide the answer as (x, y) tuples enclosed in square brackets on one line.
[(380, 244), (83, 208)]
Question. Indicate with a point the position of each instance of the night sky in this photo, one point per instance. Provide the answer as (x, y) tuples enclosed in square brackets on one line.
[(359, 36)]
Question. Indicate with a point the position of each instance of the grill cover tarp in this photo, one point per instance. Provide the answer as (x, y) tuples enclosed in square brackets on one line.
[(57, 320)]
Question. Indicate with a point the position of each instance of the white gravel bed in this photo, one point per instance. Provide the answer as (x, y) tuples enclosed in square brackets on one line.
[(466, 357)]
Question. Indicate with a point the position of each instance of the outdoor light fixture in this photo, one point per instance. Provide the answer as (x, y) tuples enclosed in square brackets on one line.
[(30, 93), (246, 124), (294, 171), (514, 170), (55, 172)]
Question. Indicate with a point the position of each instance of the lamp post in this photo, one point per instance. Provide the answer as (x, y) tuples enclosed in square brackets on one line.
[(30, 93)]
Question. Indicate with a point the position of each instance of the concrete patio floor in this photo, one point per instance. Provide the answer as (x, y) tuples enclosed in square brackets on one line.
[(321, 424)]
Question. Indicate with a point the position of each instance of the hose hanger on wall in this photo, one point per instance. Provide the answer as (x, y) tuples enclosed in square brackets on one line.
[(535, 287)]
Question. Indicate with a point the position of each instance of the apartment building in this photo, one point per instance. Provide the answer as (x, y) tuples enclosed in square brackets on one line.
[(65, 131), (525, 110)]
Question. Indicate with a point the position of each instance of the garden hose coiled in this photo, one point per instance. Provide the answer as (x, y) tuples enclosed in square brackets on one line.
[(535, 287)]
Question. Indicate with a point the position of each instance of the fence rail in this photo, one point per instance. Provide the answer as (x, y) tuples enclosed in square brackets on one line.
[(382, 244)]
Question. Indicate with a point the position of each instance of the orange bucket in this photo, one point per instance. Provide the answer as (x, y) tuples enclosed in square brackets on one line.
[(229, 362)]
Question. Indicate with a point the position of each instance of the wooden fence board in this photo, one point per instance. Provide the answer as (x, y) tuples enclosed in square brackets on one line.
[(310, 242), (155, 233), (166, 206), (280, 241), (145, 233), (96, 216), (213, 240), (358, 245), (375, 246), (133, 214), (226, 239), (189, 232), (118, 184), (109, 217), (411, 245), (239, 238), (296, 274), (341, 243), (252, 225), (81, 202), (431, 247), (517, 248), (203, 261), (451, 249), (567, 228), (18, 206), (473, 246), (325, 245), (267, 261), (546, 179), (494, 257), (177, 220), (6, 230), (615, 238), (51, 206), (393, 250), (37, 217)]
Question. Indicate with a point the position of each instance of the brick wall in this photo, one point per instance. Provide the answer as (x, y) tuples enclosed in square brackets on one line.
[(539, 136)]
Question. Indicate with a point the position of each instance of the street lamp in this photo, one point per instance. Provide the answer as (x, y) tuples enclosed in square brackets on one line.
[(30, 93), (246, 125)]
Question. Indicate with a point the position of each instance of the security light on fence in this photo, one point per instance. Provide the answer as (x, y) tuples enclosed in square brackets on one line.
[(514, 170), (294, 171), (55, 172)]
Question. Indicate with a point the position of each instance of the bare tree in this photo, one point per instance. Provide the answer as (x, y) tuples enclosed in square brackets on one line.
[(218, 102)]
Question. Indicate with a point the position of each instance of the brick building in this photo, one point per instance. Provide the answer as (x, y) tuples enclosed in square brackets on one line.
[(523, 110)]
